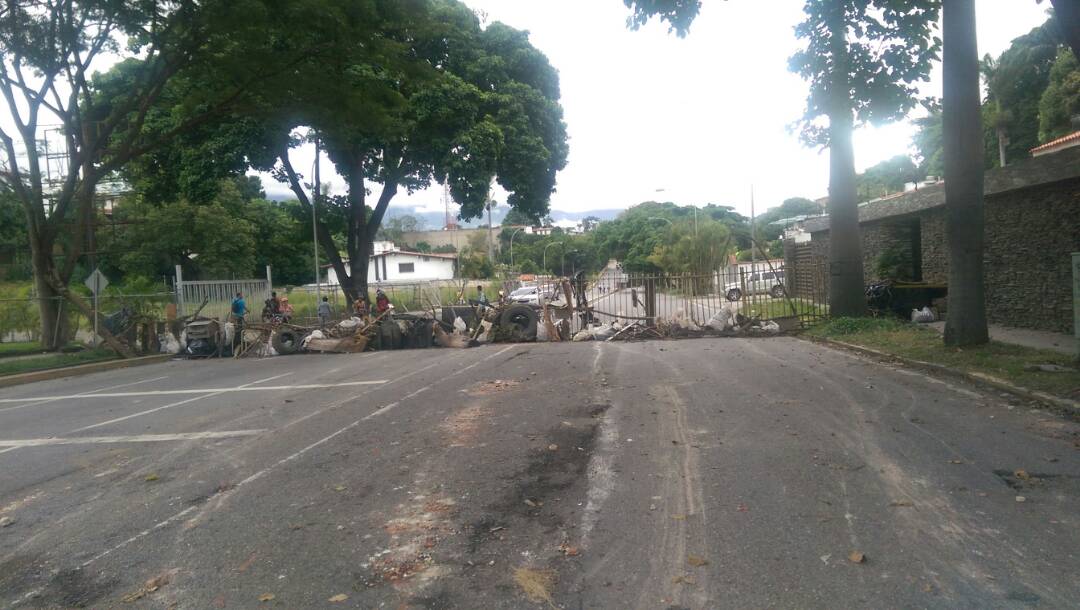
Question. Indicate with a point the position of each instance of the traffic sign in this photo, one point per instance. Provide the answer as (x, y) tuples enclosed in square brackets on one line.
[(97, 281)]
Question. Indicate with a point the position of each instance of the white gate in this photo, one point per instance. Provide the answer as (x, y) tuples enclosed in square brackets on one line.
[(219, 295)]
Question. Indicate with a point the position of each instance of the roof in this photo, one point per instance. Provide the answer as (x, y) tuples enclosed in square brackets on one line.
[(1073, 139), (425, 254), (1046, 169)]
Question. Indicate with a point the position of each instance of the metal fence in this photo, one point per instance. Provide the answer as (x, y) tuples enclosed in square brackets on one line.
[(761, 293), (219, 294), (20, 318)]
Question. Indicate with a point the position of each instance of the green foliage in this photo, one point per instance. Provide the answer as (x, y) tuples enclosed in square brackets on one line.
[(864, 57), (895, 263), (395, 227), (423, 246), (790, 208), (928, 141), (520, 217), (887, 177), (1060, 101), (1015, 83), (529, 267), (678, 14), (696, 250), (839, 327), (475, 265)]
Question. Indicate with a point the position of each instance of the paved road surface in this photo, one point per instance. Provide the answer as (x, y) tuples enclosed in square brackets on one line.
[(714, 473)]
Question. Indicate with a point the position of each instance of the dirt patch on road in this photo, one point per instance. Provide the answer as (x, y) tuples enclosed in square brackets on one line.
[(462, 428), (496, 386)]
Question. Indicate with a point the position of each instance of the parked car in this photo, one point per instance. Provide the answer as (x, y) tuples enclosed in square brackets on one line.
[(530, 295), (761, 282)]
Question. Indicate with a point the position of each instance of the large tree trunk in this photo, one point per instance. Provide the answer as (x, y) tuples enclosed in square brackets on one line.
[(1067, 13), (846, 289), (963, 150), (55, 329)]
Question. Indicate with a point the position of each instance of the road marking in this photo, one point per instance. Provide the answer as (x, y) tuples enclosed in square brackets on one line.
[(170, 405), (258, 475), (265, 388), (137, 438), (41, 401)]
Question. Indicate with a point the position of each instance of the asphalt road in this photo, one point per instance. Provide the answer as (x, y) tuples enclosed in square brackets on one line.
[(712, 473)]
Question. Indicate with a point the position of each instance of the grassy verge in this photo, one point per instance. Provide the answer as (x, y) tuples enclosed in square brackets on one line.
[(1001, 360), (52, 361), (19, 348)]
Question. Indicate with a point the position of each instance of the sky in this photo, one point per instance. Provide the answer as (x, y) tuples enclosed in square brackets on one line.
[(696, 120)]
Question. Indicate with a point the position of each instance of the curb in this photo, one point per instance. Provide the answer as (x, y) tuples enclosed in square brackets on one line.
[(81, 369), (979, 379)]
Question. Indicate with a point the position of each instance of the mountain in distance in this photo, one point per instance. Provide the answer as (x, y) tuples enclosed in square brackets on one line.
[(436, 220)]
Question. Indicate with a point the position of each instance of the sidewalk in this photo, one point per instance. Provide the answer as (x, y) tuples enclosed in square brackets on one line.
[(1038, 339)]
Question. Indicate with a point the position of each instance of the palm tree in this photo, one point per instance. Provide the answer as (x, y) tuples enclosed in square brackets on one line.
[(963, 139)]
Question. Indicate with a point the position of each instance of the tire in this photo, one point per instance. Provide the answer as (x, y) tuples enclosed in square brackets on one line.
[(285, 341), (734, 294), (777, 291), (519, 322)]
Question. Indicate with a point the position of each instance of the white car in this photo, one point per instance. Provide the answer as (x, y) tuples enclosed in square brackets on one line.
[(761, 282), (530, 295)]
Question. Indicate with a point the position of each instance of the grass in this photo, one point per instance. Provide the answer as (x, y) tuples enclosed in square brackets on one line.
[(1001, 360), (53, 361), (19, 348)]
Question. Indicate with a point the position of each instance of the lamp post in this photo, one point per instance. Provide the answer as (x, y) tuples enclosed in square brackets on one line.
[(545, 253), (564, 260), (512, 246)]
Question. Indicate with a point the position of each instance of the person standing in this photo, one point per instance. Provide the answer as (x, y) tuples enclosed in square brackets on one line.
[(239, 310), (382, 303), (324, 312), (481, 298)]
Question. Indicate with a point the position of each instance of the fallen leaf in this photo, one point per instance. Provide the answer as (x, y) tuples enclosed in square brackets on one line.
[(856, 557), (927, 588), (529, 502), (901, 503), (553, 447), (742, 508), (1021, 499), (340, 597), (218, 602), (686, 580), (569, 551), (679, 517), (266, 597), (6, 521), (696, 561), (151, 477), (339, 488), (1022, 474), (956, 461)]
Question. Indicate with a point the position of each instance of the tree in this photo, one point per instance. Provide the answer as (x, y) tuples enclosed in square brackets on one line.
[(699, 252), (679, 14), (928, 142), (862, 60), (50, 50), (456, 104), (396, 227), (964, 222), (1060, 102), (886, 178), (423, 246), (589, 223), (790, 208), (518, 217), (1068, 14)]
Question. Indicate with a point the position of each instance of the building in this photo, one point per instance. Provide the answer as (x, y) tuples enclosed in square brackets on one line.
[(1032, 218), (1058, 145), (390, 264)]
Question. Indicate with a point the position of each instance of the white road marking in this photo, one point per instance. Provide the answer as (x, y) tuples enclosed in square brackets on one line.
[(41, 401), (170, 405), (258, 475), (265, 388), (136, 438)]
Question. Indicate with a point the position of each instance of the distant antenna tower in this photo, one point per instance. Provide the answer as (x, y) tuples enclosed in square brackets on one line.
[(448, 221)]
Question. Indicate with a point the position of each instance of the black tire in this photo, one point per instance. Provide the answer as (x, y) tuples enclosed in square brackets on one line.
[(286, 341), (519, 322), (734, 294), (777, 291)]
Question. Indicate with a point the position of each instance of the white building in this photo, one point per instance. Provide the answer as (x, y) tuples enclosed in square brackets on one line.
[(389, 265)]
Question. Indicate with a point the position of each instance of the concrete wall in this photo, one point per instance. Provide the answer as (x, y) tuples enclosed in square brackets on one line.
[(1030, 235), (424, 268), (458, 238)]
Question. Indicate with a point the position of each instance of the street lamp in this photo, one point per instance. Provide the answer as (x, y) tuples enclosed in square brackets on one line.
[(545, 252), (512, 246), (564, 259)]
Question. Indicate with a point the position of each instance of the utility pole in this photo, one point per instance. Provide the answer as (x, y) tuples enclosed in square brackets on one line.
[(753, 234), (314, 226), (491, 240)]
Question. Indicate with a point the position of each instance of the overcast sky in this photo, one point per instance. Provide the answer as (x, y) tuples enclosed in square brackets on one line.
[(695, 120)]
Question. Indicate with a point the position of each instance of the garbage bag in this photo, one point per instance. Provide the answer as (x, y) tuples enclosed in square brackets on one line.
[(602, 332), (583, 335), (923, 315), (460, 326), (770, 327)]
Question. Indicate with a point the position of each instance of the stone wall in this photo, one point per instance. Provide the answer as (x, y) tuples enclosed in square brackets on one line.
[(1030, 236)]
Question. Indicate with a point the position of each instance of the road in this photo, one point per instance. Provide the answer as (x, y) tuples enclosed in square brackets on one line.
[(711, 473)]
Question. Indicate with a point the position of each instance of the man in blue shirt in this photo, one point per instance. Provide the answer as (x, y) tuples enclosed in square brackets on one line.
[(239, 308)]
